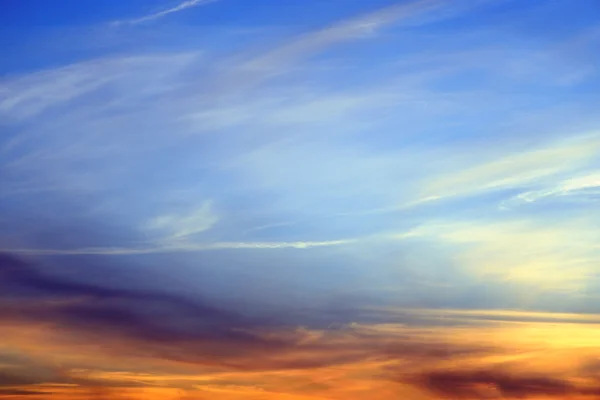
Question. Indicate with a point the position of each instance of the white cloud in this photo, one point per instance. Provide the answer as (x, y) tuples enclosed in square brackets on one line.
[(512, 171), (263, 66), (574, 187), (151, 17), (26, 96), (181, 247), (180, 226)]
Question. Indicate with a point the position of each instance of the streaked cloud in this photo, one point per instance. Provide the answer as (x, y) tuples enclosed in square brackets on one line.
[(516, 170), (582, 187), (160, 14), (271, 63), (176, 247)]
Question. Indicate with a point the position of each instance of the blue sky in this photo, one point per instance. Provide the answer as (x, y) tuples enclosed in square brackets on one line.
[(331, 128), (337, 154)]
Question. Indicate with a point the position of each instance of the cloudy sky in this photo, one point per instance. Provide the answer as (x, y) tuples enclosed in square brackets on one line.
[(299, 200)]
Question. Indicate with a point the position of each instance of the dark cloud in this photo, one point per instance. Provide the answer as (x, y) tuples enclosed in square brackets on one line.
[(13, 393), (167, 326), (150, 315), (489, 383), (198, 331), (8, 378), (23, 376)]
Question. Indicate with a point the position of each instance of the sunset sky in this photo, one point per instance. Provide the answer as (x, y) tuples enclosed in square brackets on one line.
[(300, 199)]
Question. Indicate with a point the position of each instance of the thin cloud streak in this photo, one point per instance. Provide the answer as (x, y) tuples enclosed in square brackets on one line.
[(576, 188), (182, 247), (183, 6), (264, 66)]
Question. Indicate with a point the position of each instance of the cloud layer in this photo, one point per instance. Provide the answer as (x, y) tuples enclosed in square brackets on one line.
[(70, 336)]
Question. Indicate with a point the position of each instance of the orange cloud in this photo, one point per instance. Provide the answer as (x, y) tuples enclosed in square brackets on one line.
[(66, 340), (498, 359)]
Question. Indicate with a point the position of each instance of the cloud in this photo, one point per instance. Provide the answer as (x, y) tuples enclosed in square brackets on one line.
[(499, 384), (272, 359), (548, 254), (480, 316), (254, 70), (180, 247), (181, 226), (27, 96), (513, 171), (135, 314), (578, 188), (152, 17), (12, 393)]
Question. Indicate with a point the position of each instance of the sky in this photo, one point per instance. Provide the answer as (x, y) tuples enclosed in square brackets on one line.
[(299, 200)]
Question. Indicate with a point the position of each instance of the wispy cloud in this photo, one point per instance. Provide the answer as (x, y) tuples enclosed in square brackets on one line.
[(578, 188), (183, 247), (151, 17), (515, 170), (271, 63), (180, 226)]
